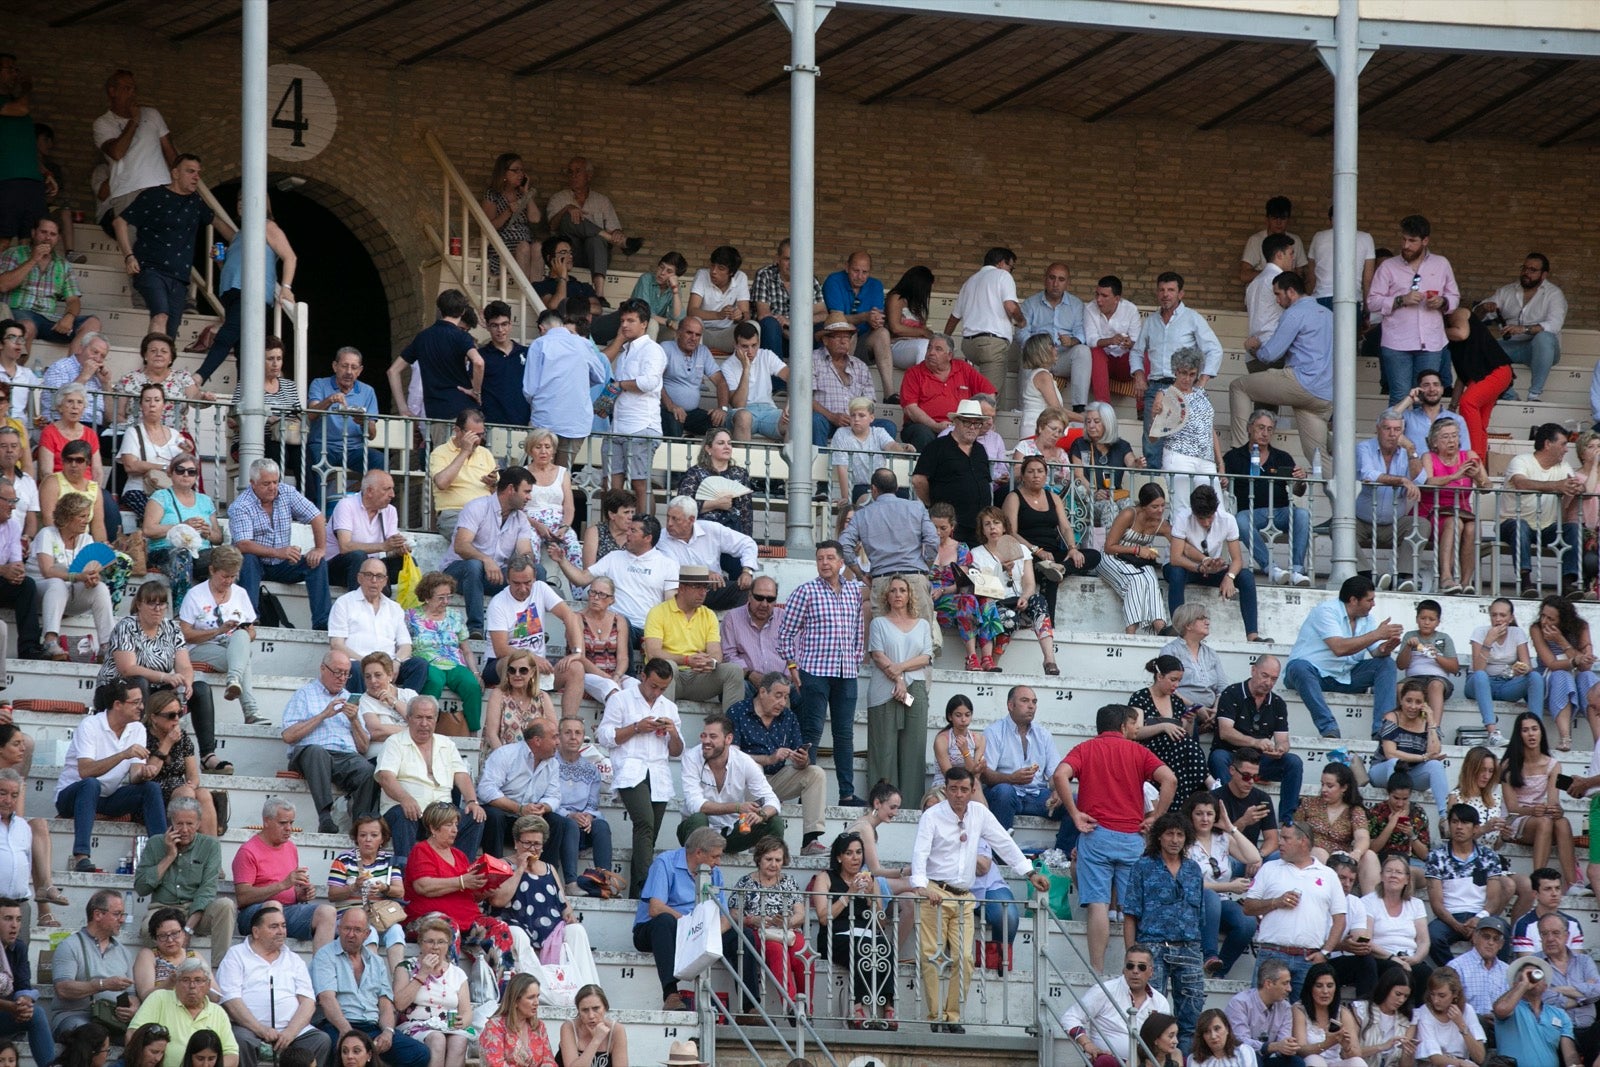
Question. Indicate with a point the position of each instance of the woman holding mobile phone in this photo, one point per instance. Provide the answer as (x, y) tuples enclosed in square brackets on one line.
[(1325, 1029), (512, 204), (1168, 728)]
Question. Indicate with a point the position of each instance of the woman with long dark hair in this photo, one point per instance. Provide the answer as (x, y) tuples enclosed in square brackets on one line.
[(1566, 656), (1337, 822), (1168, 727), (1131, 563), (1533, 799), (851, 933), (905, 314), (1325, 1029)]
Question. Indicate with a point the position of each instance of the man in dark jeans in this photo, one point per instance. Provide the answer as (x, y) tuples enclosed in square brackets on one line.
[(669, 895), (17, 590)]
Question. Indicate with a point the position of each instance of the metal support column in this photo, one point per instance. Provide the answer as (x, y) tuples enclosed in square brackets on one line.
[(803, 17), (1345, 59), (253, 223)]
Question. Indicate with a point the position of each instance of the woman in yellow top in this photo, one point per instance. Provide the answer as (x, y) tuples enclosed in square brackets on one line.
[(74, 479)]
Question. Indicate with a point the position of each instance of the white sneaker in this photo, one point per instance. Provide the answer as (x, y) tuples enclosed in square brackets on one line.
[(1385, 582), (1280, 576), (1408, 585), (1495, 738), (1301, 579)]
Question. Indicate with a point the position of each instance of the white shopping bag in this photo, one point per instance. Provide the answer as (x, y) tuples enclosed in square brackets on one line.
[(699, 940), (574, 970)]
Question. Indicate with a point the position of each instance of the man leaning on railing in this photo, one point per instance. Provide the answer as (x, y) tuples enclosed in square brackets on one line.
[(944, 864)]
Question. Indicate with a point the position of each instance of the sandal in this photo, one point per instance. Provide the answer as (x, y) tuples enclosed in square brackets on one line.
[(987, 664), (1259, 640), (52, 895), (48, 919), (973, 662), (212, 765), (1052, 669), (1565, 744)]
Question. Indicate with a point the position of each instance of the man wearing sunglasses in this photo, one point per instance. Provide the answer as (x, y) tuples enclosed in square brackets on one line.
[(1249, 809), (750, 634), (1100, 1024)]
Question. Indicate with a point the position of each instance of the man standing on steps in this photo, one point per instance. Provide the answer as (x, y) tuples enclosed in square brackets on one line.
[(1172, 326), (1299, 905), (944, 864), (1109, 813), (1020, 759), (822, 640), (448, 360), (988, 304), (134, 139), (1341, 649), (168, 219)]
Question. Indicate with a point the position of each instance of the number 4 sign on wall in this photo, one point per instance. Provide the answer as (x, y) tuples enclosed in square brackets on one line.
[(304, 116)]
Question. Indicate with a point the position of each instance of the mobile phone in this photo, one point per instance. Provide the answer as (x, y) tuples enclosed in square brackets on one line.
[(1563, 781)]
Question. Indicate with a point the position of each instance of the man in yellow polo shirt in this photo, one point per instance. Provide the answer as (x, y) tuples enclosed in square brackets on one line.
[(685, 632), (462, 470)]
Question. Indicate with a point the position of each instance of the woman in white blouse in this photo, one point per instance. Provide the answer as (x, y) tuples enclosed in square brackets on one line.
[(63, 589), (899, 647), (1448, 1031), (1397, 921), (642, 733)]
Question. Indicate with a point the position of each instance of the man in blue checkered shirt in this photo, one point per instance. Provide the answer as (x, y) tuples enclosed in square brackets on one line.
[(260, 523)]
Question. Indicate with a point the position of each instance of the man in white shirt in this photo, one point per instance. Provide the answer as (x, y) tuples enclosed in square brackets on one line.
[(749, 372), (1320, 266), (636, 416), (525, 779), (1171, 327), (1547, 512), (1110, 325), (515, 620), (641, 730), (109, 771), (366, 526), (727, 554), (988, 306), (266, 991), (727, 790), (16, 846), (1252, 261), (1206, 551), (1298, 905), (644, 575), (1531, 312), (944, 864), (136, 141), (1260, 302), (1099, 1024), (364, 621)]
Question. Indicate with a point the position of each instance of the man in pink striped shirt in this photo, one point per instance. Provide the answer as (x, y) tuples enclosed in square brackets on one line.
[(1411, 294)]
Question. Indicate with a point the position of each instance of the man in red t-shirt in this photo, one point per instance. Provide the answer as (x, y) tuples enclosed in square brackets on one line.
[(933, 388), (1109, 812)]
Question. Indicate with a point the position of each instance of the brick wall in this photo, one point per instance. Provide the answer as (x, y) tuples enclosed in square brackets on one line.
[(911, 182)]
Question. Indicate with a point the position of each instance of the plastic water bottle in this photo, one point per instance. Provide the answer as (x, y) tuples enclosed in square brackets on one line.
[(1255, 461), (1316, 464)]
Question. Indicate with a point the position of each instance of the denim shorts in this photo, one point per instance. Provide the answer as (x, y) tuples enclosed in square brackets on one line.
[(764, 419), (1105, 856)]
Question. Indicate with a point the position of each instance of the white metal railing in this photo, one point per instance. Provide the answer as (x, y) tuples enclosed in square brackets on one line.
[(464, 243)]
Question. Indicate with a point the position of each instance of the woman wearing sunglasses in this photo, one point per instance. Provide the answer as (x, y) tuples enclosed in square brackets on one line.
[(75, 478), (181, 503), (516, 701), (180, 768)]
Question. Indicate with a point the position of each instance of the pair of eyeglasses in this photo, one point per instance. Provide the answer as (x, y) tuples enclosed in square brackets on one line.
[(168, 715), (961, 824), (380, 575), (73, 459), (1247, 776), (188, 471), (519, 670), (601, 593), (336, 671), (1131, 966), (157, 1032), (168, 935), (773, 599)]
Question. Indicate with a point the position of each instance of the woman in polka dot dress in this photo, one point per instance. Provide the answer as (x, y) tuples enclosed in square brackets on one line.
[(531, 901)]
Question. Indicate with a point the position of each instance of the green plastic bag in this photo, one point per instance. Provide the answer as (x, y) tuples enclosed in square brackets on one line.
[(1060, 890)]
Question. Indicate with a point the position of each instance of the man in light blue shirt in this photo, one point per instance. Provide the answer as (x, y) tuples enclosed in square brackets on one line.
[(328, 743), (1422, 407), (561, 369), (668, 895), (689, 364), (1021, 756), (1341, 650), (1303, 343), (364, 1001), (524, 779), (1386, 499), (1173, 325), (1058, 314), (343, 411)]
